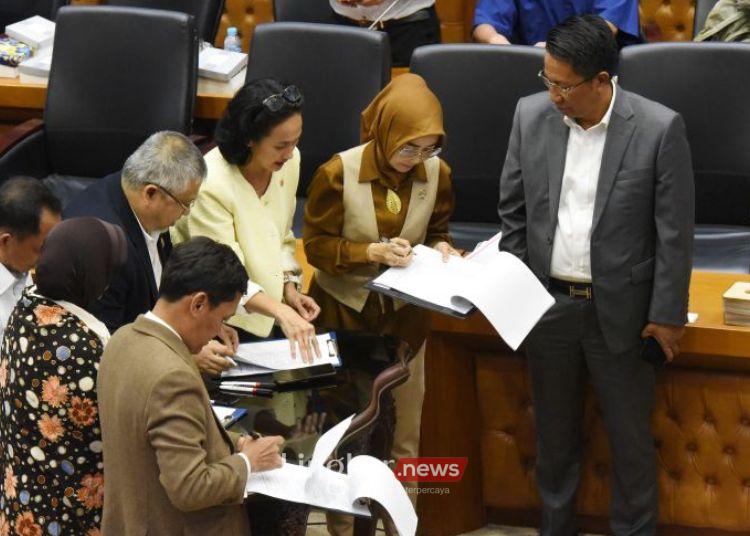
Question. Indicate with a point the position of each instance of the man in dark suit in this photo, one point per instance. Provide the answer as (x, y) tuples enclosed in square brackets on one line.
[(156, 186), (597, 197)]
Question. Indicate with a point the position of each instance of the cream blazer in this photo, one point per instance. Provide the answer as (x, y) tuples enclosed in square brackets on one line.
[(258, 229)]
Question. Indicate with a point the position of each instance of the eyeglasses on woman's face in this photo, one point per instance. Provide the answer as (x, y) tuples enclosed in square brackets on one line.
[(412, 151)]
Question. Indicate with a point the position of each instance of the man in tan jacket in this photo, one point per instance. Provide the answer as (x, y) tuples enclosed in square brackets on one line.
[(170, 468)]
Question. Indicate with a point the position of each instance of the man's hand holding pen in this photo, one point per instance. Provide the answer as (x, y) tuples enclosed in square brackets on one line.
[(395, 252), (263, 453)]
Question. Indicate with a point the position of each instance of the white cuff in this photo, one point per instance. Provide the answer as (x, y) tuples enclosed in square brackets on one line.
[(252, 290), (289, 262), (247, 463)]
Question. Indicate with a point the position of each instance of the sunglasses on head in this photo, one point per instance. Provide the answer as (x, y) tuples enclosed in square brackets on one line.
[(291, 96)]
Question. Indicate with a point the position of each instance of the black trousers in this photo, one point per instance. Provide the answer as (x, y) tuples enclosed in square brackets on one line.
[(565, 350), (406, 36)]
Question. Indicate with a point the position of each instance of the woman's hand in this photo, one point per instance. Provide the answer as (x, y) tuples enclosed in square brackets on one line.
[(300, 332), (396, 252), (305, 306), (446, 250)]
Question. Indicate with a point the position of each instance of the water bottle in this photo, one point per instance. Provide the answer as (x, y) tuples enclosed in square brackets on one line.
[(232, 41)]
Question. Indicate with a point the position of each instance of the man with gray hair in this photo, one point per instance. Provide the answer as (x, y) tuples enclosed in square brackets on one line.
[(157, 186)]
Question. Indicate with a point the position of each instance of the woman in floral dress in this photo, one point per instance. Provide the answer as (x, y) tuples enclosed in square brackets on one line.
[(51, 480)]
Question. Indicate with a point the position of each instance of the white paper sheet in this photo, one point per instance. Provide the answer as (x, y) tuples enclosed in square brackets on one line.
[(277, 355), (320, 486), (497, 283), (327, 442), (510, 296), (485, 252), (373, 479), (425, 278)]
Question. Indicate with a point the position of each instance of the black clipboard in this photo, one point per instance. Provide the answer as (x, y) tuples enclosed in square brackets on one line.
[(408, 298)]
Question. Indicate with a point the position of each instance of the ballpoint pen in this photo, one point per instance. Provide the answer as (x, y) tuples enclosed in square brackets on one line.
[(386, 240)]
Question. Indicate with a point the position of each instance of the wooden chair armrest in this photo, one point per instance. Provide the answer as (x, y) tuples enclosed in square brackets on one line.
[(383, 384), (19, 133)]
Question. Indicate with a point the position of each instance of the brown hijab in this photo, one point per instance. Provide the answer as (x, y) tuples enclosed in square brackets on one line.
[(78, 260), (404, 110)]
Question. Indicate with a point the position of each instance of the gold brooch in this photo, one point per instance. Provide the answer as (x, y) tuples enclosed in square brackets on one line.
[(393, 202)]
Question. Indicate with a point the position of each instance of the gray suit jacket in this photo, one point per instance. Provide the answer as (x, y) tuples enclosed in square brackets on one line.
[(642, 233)]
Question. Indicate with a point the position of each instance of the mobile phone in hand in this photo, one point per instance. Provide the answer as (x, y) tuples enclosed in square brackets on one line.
[(652, 352)]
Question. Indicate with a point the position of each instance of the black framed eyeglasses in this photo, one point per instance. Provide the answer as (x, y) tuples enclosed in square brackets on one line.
[(565, 90), (291, 95), (185, 207)]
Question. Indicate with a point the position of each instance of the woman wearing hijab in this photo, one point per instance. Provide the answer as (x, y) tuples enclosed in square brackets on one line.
[(51, 480), (366, 208)]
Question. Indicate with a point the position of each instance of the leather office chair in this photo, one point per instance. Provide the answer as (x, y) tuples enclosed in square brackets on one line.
[(302, 11), (207, 13), (338, 69), (15, 10), (702, 9), (479, 87), (107, 93), (706, 83)]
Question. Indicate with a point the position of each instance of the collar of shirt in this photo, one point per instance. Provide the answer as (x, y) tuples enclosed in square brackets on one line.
[(368, 169), (8, 279), (605, 120), (152, 238), (151, 316)]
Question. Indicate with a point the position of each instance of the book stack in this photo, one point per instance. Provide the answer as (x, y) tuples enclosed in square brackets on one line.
[(219, 64), (36, 31), (737, 304), (36, 70), (12, 52)]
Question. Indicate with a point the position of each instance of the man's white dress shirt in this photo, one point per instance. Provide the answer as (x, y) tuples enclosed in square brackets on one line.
[(571, 250), (152, 246)]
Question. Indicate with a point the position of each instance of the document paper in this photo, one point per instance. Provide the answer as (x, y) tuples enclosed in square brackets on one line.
[(500, 285), (277, 354), (320, 486)]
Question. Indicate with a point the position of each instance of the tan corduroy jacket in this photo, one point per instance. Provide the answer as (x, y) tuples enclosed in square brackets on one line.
[(169, 467)]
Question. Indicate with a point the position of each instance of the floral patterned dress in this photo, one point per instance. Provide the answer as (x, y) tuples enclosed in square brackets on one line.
[(51, 480)]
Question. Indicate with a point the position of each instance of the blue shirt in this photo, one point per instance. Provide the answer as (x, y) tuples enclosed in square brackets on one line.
[(527, 22)]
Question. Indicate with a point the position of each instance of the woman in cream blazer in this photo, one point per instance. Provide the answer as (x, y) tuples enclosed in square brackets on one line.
[(247, 202)]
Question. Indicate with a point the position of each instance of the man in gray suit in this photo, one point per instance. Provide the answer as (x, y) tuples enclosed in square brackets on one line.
[(597, 197)]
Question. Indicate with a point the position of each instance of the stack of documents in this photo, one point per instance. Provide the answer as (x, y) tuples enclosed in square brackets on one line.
[(36, 31), (266, 357), (497, 283), (317, 485), (36, 70), (737, 304), (220, 64)]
